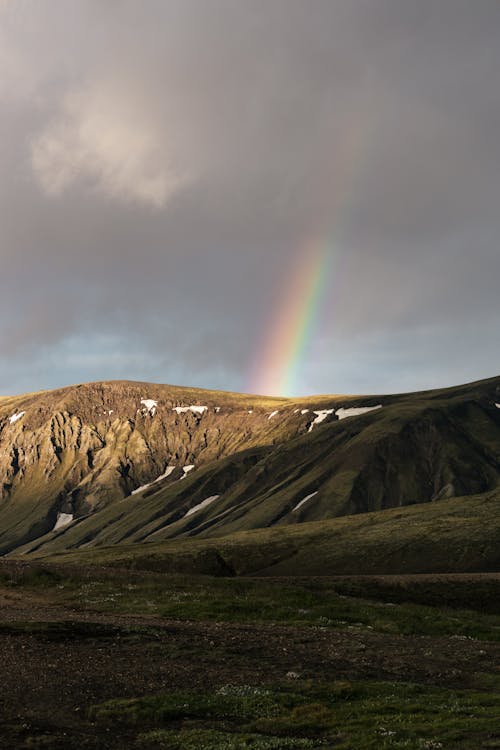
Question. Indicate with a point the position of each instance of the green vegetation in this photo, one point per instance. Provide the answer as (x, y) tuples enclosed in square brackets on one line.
[(209, 739), (348, 716), (361, 605), (204, 663)]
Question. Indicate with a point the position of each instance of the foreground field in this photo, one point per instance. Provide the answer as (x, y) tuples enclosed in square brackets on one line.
[(93, 658)]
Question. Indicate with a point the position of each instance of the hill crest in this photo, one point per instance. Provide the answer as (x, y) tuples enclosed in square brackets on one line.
[(115, 461)]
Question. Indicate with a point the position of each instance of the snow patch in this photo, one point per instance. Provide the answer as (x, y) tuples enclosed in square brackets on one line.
[(304, 411), (186, 470), (250, 411), (273, 414), (217, 409), (308, 497), (321, 415), (150, 405), (141, 488), (17, 416), (194, 409), (201, 505), (63, 519), (355, 411), (498, 406), (296, 410), (165, 474)]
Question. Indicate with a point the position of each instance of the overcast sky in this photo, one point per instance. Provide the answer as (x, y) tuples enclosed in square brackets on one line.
[(164, 163)]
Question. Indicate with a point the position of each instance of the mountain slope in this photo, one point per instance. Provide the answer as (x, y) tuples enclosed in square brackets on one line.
[(76, 450), (282, 465), (459, 535)]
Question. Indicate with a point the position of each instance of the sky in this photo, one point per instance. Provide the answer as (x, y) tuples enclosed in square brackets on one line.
[(271, 196)]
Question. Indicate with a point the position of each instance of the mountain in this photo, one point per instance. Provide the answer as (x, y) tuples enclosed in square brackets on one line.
[(76, 450), (119, 463)]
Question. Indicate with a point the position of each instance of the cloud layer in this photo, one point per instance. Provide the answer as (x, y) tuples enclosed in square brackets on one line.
[(164, 166), (103, 141)]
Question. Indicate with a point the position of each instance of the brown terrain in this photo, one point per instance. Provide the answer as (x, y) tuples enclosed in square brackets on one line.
[(58, 661)]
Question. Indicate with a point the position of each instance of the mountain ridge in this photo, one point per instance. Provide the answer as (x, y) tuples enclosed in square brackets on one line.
[(118, 462)]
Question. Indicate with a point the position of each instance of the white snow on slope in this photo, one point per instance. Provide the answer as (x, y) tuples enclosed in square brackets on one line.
[(273, 414), (217, 409), (186, 470), (141, 488), (304, 411), (321, 415), (308, 497), (165, 474), (201, 505), (17, 416), (150, 405), (355, 411), (63, 519), (194, 409), (498, 406)]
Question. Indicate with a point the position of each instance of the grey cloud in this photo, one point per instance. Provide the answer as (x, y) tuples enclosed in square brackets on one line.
[(163, 166)]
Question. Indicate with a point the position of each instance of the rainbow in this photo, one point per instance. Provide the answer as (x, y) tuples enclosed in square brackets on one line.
[(300, 303), (294, 323)]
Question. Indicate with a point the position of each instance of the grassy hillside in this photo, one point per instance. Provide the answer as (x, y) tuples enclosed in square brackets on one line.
[(456, 535)]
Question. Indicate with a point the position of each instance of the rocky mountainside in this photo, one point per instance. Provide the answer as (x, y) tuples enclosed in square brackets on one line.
[(67, 453), (103, 463)]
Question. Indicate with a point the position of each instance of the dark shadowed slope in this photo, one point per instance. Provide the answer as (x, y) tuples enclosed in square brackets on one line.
[(460, 535), (277, 468)]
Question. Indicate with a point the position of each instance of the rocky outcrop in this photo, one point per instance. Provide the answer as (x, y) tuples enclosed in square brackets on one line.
[(84, 447)]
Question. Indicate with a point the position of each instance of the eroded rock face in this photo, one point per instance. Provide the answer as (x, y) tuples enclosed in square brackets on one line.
[(66, 454), (86, 446)]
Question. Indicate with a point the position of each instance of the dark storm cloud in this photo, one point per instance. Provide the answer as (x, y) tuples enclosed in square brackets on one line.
[(162, 165)]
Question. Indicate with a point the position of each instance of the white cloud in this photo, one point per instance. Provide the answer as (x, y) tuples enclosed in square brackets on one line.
[(104, 136)]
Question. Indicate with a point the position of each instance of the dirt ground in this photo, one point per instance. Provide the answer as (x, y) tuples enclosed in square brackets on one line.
[(57, 662)]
